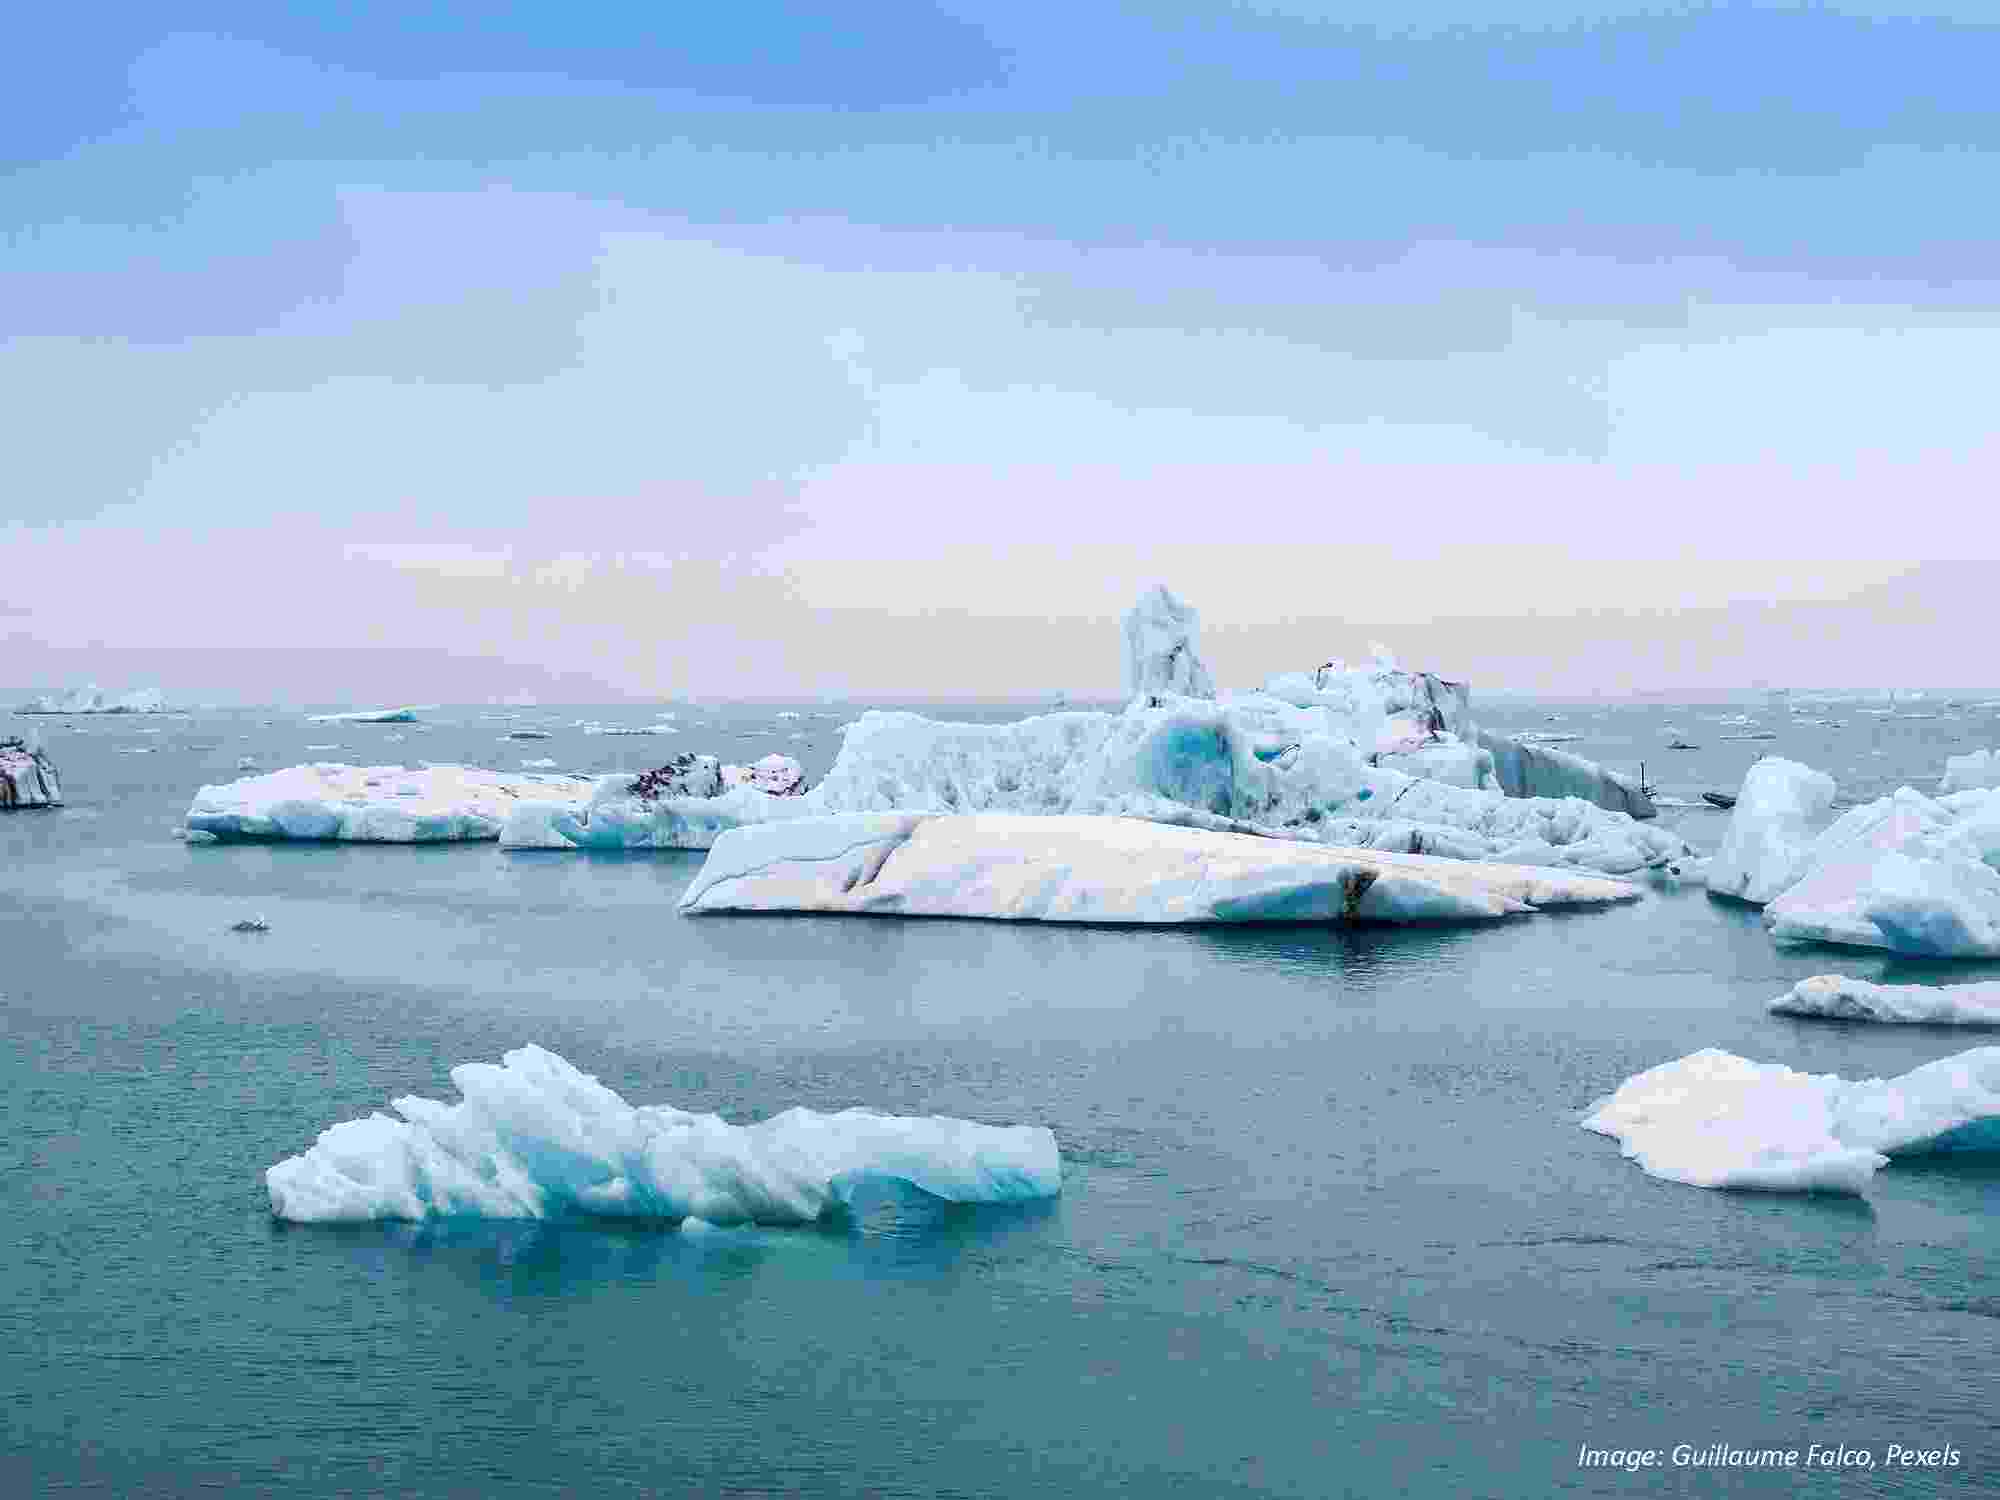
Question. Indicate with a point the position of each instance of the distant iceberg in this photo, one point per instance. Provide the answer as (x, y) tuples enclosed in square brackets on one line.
[(1099, 869), (1527, 766), (27, 776), (1833, 997), (91, 699), (373, 804), (534, 1138), (1715, 1120), (367, 716), (1979, 771)]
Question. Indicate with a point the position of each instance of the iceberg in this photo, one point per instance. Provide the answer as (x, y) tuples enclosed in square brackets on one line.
[(1528, 766), (373, 804), (686, 804), (1160, 655), (27, 776), (367, 716), (90, 699), (1979, 771), (1904, 873), (1011, 867), (1833, 997), (535, 1138), (1715, 1120), (1770, 835)]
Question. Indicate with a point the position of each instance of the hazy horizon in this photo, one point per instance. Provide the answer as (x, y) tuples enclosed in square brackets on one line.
[(1636, 346)]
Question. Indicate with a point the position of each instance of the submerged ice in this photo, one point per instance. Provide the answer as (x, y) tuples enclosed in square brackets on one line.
[(535, 1138), (1716, 1120)]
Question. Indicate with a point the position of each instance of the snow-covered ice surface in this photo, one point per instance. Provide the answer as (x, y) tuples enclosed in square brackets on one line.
[(1834, 997), (1161, 638), (27, 776), (373, 804), (367, 716), (90, 699), (535, 1138), (1715, 1120), (1097, 869), (1770, 834), (1908, 873)]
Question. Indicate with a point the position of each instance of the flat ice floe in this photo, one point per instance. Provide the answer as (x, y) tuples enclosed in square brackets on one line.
[(1102, 869), (1836, 998), (534, 1138), (373, 804), (1715, 1120)]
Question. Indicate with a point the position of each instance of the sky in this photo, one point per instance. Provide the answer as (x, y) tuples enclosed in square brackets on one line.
[(438, 351)]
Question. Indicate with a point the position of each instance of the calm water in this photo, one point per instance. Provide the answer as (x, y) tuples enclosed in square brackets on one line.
[(1329, 1226)]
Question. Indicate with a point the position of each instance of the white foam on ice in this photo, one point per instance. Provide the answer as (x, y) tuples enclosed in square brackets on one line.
[(373, 804), (535, 1138), (1098, 869), (1771, 829), (1834, 997), (1715, 1120)]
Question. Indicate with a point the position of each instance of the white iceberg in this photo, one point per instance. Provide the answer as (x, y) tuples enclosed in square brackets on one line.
[(367, 716), (373, 804), (534, 1138), (1770, 834), (1715, 1120), (1834, 997), (1979, 771), (1527, 766), (593, 727), (1160, 648), (90, 699), (686, 804), (27, 776), (1906, 873), (1097, 869)]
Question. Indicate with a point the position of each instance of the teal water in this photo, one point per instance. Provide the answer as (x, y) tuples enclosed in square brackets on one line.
[(1329, 1226)]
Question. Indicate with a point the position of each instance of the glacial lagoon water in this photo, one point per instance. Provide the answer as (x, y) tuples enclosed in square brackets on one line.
[(1329, 1225)]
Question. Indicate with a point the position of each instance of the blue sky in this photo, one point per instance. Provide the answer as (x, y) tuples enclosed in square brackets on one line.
[(698, 350)]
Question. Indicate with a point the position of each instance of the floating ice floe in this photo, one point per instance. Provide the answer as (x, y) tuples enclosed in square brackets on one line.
[(1527, 767), (1833, 997), (686, 804), (367, 716), (1906, 873), (527, 734), (1098, 869), (1979, 771), (1715, 1120), (1770, 830), (534, 1138), (592, 727), (91, 699), (27, 776), (372, 804)]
